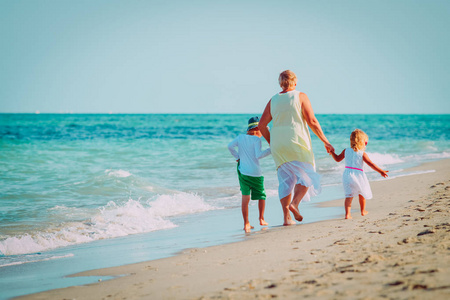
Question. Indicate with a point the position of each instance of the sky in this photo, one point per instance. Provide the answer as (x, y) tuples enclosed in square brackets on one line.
[(109, 56)]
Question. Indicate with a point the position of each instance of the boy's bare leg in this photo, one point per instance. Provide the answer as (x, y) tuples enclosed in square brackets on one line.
[(245, 201), (348, 207), (285, 206), (362, 204), (299, 192), (262, 207)]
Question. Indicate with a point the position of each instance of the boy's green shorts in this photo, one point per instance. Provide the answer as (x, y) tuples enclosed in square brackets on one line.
[(252, 185)]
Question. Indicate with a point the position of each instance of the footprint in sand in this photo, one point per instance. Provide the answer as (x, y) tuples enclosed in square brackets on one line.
[(428, 231)]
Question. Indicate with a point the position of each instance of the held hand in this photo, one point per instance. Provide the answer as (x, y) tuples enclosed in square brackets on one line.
[(384, 173), (329, 148)]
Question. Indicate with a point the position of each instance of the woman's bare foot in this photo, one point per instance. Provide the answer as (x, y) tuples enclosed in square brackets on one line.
[(262, 222), (289, 221), (248, 227), (296, 213), (363, 213), (348, 216)]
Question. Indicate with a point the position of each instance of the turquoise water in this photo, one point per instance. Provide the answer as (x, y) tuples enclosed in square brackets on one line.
[(74, 187)]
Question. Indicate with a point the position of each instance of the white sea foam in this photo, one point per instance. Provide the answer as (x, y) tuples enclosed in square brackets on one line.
[(271, 192), (405, 174), (390, 159), (428, 156), (118, 173), (426, 145), (112, 220), (182, 203), (385, 158), (58, 207), (31, 259)]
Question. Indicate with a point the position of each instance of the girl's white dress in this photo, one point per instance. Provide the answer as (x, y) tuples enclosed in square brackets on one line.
[(354, 179)]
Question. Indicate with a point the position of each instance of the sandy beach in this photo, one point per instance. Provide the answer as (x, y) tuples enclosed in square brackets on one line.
[(401, 250)]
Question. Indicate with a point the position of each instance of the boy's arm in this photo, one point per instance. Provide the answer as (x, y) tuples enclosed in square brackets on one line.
[(374, 166), (265, 153), (231, 147), (261, 154), (339, 157)]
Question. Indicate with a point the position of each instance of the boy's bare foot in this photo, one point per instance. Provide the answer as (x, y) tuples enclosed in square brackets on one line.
[(348, 217), (296, 213), (363, 213), (248, 227), (263, 222)]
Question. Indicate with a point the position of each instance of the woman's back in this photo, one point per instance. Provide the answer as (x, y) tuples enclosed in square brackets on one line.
[(286, 109), (290, 139)]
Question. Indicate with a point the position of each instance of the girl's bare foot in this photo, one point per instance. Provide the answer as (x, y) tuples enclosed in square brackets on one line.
[(262, 222), (348, 216), (296, 213), (363, 213), (247, 227)]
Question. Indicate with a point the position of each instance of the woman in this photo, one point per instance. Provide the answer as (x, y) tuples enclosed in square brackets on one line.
[(290, 143)]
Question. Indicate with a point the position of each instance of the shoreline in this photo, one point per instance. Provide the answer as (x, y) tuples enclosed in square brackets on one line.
[(399, 250)]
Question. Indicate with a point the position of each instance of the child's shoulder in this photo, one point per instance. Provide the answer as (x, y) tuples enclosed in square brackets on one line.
[(249, 136), (241, 137)]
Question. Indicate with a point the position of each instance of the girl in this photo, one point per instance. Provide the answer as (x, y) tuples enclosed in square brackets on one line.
[(354, 180)]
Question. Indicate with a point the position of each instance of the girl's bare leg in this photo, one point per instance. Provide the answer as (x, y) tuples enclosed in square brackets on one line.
[(299, 192), (348, 207), (362, 204), (285, 206), (245, 201), (262, 207)]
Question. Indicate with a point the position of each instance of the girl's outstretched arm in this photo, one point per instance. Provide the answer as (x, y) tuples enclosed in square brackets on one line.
[(374, 166), (339, 157)]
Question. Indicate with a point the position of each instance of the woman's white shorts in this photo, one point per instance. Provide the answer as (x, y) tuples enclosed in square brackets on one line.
[(295, 172)]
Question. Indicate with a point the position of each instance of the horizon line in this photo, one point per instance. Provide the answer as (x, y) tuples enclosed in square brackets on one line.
[(194, 113)]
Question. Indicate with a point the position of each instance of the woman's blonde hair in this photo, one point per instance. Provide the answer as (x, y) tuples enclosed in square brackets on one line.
[(287, 79), (358, 139)]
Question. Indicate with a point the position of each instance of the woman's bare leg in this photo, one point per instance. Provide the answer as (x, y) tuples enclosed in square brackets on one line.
[(245, 201), (285, 206), (299, 192), (262, 207), (362, 204), (348, 207)]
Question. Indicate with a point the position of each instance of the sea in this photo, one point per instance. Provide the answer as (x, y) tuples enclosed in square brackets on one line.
[(88, 191)]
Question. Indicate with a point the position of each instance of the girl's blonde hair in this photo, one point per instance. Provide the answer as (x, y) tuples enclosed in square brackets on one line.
[(358, 139), (287, 79)]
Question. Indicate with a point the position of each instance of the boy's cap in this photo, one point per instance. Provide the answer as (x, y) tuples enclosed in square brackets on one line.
[(253, 123)]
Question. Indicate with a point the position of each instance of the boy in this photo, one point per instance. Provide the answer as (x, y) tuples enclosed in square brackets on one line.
[(249, 172)]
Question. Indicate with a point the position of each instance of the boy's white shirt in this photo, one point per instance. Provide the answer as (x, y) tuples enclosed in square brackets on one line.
[(249, 152)]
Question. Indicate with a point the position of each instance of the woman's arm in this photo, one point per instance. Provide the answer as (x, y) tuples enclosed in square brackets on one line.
[(339, 157), (374, 166), (308, 115), (264, 121)]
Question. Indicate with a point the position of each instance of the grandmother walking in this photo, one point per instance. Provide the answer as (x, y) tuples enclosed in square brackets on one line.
[(290, 143)]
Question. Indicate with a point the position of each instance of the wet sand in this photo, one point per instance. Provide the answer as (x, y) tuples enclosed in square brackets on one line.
[(400, 250)]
